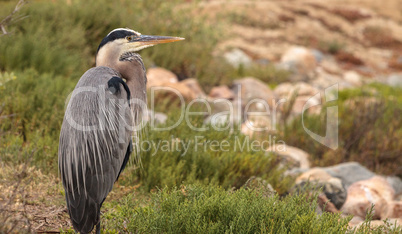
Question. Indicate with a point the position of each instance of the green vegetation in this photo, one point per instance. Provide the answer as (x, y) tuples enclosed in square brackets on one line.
[(209, 209), (193, 157), (46, 53), (370, 130), (332, 47)]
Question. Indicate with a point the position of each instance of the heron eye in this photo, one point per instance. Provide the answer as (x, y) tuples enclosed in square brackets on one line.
[(129, 38)]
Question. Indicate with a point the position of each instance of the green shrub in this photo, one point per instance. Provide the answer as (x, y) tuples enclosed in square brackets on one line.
[(203, 161), (210, 209), (31, 117), (369, 130)]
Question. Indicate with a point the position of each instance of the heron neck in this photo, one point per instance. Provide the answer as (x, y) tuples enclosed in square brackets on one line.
[(130, 67)]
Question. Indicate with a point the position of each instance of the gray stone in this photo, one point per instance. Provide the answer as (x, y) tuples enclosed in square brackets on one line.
[(159, 118), (400, 59), (395, 80), (300, 61), (318, 55), (237, 57), (396, 184), (253, 93), (353, 78), (332, 187), (218, 120), (349, 172)]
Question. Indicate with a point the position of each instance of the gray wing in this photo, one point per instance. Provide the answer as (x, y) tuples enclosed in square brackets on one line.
[(94, 139)]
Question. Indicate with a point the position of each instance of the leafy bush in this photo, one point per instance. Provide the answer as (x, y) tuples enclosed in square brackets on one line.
[(369, 130), (166, 162), (32, 113), (210, 209)]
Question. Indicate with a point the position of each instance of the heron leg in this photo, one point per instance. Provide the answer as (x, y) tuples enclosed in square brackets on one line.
[(98, 227)]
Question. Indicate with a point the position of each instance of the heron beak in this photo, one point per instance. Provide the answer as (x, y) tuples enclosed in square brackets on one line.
[(153, 40)]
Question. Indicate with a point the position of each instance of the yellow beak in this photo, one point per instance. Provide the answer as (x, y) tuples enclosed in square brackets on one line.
[(153, 40)]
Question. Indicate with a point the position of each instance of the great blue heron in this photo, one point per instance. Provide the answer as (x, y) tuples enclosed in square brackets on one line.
[(96, 135)]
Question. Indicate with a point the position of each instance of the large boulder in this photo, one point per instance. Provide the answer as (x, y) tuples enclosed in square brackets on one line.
[(363, 194), (283, 90), (221, 92), (172, 92), (392, 210), (349, 172), (301, 61), (155, 118), (333, 188), (237, 58), (302, 101), (158, 76), (353, 78), (395, 80), (286, 89), (195, 87), (257, 125), (253, 93), (292, 156)]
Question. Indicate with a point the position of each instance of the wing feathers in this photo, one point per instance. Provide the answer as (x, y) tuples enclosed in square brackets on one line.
[(91, 153)]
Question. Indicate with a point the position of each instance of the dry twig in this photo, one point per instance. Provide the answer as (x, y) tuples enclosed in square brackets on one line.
[(8, 19)]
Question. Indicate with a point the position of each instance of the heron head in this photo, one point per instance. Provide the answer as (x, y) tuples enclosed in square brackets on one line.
[(123, 40)]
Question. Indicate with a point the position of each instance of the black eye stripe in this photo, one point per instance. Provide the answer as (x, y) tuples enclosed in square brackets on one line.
[(119, 34)]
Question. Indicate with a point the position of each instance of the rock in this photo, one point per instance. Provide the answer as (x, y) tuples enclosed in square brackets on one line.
[(305, 89), (314, 174), (318, 55), (221, 92), (221, 109), (291, 154), (332, 187), (173, 93), (263, 61), (301, 61), (325, 204), (286, 89), (195, 87), (237, 57), (353, 78), (217, 120), (159, 118), (330, 66), (349, 172), (158, 76), (283, 89), (261, 186), (395, 80), (396, 184), (362, 194), (356, 221), (300, 102), (257, 125), (392, 210), (253, 93), (325, 80)]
